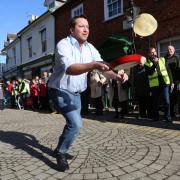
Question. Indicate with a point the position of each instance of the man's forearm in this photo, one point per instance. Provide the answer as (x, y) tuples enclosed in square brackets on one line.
[(77, 69)]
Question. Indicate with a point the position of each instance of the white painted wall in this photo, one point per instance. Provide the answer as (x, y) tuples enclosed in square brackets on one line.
[(34, 32), (2, 66), (11, 62), (57, 3)]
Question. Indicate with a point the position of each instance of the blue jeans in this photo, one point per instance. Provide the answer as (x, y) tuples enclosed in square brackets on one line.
[(156, 92), (69, 104)]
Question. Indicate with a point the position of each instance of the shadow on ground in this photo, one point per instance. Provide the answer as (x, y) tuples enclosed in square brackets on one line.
[(29, 144)]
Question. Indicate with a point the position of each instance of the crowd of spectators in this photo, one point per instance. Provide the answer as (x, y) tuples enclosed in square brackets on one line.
[(25, 93), (101, 95)]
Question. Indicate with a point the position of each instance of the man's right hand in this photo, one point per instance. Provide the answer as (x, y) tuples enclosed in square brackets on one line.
[(101, 66), (155, 60)]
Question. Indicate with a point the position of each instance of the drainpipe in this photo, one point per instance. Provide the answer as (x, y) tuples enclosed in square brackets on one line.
[(19, 69), (53, 55)]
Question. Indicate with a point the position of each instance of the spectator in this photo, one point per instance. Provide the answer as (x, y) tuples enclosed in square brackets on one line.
[(34, 94), (160, 79), (1, 96), (23, 91), (45, 77), (173, 62), (120, 98), (10, 95), (142, 91), (96, 82), (37, 79), (43, 95)]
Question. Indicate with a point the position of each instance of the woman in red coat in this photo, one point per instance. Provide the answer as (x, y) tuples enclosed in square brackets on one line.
[(34, 94), (43, 95)]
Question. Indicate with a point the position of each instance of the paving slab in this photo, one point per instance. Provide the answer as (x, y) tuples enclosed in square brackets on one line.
[(105, 148)]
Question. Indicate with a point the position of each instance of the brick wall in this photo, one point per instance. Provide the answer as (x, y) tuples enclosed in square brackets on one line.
[(167, 13)]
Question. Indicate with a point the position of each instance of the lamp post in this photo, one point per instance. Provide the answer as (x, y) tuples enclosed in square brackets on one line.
[(3, 53), (132, 11)]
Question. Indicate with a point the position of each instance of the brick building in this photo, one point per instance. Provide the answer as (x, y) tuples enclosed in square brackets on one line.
[(106, 18)]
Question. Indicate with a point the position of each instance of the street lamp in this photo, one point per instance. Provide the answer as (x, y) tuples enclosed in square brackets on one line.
[(131, 12)]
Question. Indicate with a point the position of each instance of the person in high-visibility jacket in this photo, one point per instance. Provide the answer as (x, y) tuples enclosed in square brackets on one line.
[(160, 79), (23, 91)]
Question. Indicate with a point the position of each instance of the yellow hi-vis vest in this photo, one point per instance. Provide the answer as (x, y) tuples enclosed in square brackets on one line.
[(25, 87), (14, 92), (153, 79)]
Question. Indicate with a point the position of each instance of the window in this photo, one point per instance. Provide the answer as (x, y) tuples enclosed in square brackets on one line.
[(162, 45), (29, 40), (52, 5), (14, 54), (113, 8), (77, 11), (7, 59), (43, 40)]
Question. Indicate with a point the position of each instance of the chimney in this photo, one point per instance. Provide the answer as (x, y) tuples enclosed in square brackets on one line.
[(32, 18)]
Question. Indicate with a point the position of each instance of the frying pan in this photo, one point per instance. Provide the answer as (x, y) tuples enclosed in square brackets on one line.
[(128, 61)]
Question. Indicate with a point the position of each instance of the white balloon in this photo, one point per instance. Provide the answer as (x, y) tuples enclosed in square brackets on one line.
[(145, 25)]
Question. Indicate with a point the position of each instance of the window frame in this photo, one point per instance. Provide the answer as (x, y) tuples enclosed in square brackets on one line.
[(106, 11), (29, 41), (52, 5), (14, 54), (43, 40), (7, 59), (170, 42), (76, 9)]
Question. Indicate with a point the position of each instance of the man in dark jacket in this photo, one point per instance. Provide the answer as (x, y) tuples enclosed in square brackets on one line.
[(173, 62), (142, 91)]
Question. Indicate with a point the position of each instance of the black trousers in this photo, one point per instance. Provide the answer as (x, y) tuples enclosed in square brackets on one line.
[(123, 105), (173, 100), (98, 105), (145, 106)]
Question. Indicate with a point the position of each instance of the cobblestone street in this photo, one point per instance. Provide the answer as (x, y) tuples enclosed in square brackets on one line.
[(104, 149)]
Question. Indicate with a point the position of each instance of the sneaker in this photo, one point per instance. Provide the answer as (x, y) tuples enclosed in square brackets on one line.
[(68, 156), (62, 162)]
